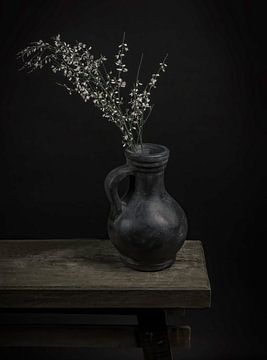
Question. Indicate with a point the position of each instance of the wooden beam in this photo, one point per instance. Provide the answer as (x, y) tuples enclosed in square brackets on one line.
[(84, 336)]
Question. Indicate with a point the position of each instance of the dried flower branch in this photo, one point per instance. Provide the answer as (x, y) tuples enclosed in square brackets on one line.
[(88, 77)]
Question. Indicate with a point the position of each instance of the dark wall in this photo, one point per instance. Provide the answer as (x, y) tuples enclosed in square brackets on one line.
[(210, 110)]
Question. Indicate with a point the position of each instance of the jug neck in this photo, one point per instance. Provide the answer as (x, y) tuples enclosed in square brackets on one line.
[(148, 165), (149, 183)]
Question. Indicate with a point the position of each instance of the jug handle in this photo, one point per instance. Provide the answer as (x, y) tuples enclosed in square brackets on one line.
[(112, 181)]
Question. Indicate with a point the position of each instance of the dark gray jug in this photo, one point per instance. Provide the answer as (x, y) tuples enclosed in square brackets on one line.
[(146, 225)]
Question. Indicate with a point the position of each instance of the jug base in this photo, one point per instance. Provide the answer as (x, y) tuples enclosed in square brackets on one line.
[(146, 267)]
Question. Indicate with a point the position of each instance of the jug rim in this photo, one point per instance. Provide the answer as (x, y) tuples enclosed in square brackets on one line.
[(148, 152)]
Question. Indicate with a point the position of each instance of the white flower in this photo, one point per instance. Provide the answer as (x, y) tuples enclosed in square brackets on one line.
[(89, 78)]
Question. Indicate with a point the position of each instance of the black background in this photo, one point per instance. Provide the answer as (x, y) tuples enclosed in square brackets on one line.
[(210, 111)]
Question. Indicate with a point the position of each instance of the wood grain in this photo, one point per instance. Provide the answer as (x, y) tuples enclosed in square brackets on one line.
[(85, 273)]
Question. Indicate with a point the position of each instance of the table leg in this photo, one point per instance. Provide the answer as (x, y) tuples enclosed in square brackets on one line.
[(153, 335)]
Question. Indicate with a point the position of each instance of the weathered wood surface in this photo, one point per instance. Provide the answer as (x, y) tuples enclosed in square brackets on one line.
[(85, 273), (84, 336)]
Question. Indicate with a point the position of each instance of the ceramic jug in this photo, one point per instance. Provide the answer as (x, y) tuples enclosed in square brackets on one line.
[(146, 225)]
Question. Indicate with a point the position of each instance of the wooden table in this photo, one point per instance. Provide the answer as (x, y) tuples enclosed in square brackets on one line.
[(84, 276)]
